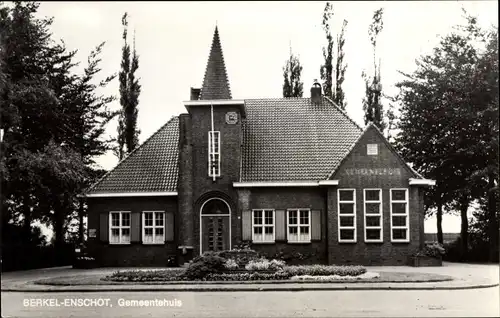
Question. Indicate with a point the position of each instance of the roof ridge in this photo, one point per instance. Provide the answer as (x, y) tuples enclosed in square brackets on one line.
[(343, 112), (129, 155)]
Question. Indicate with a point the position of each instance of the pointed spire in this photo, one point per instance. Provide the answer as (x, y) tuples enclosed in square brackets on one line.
[(215, 82)]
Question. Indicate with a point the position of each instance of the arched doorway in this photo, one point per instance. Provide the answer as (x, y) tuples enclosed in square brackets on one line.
[(215, 225)]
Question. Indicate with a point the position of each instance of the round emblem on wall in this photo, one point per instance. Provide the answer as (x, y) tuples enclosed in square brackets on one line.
[(231, 118)]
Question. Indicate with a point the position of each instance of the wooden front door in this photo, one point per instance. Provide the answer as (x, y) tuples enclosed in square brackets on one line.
[(215, 225), (215, 233)]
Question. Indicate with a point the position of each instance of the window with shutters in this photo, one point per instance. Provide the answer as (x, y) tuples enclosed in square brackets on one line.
[(263, 226), (214, 153), (153, 227), (373, 215), (119, 227), (347, 215), (299, 225), (399, 215)]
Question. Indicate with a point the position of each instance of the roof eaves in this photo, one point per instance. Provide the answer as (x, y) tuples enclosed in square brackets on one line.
[(92, 187)]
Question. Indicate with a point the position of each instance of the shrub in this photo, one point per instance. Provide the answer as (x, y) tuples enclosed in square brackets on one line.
[(203, 265), (433, 249), (324, 270), (264, 264), (231, 264), (145, 275), (292, 257), (276, 264), (243, 246), (242, 257), (280, 275)]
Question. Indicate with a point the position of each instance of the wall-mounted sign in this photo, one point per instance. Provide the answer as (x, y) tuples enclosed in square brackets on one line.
[(231, 118), (373, 172), (92, 233)]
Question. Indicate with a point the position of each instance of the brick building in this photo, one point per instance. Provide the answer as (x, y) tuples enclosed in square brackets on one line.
[(290, 175)]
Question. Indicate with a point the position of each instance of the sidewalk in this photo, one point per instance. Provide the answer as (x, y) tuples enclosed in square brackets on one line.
[(466, 276)]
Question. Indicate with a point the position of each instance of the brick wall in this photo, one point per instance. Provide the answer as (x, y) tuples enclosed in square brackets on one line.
[(385, 253), (134, 254), (203, 186), (283, 199)]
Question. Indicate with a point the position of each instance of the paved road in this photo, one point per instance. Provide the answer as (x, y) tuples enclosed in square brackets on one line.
[(377, 303)]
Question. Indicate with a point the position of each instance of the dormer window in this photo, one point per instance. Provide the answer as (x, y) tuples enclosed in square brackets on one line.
[(214, 154)]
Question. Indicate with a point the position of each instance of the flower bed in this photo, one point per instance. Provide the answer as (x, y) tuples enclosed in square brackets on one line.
[(324, 270), (366, 275), (211, 266), (247, 276), (315, 272), (146, 276)]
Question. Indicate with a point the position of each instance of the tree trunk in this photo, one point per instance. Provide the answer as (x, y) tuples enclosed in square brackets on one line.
[(439, 218), (492, 218), (464, 233), (80, 226), (27, 220), (59, 216)]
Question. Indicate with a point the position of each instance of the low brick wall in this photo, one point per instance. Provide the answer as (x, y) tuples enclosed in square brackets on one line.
[(424, 261)]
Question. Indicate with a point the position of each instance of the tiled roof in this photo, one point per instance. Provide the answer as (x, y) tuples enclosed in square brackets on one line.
[(152, 167), (215, 82), (291, 139)]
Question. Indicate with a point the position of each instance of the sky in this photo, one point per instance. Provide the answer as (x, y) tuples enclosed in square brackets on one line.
[(173, 42)]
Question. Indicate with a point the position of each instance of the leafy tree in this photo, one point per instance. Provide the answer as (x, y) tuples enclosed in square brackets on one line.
[(372, 105), (292, 85), (128, 134), (45, 165), (35, 70), (333, 77), (448, 123)]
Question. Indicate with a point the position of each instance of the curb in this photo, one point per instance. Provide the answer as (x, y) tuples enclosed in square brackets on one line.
[(248, 289)]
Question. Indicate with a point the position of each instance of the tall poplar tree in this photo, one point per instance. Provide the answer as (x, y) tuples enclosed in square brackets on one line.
[(340, 68), (130, 89), (292, 85), (372, 105), (332, 75)]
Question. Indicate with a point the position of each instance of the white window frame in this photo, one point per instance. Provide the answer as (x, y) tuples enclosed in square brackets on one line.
[(263, 225), (213, 152), (298, 225), (380, 215), (353, 227), (120, 227), (154, 227), (407, 215)]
